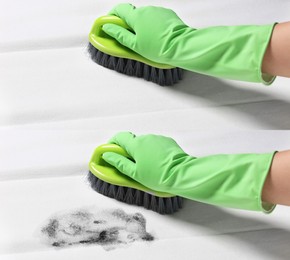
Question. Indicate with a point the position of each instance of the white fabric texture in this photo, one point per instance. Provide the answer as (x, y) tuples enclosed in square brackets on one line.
[(57, 106)]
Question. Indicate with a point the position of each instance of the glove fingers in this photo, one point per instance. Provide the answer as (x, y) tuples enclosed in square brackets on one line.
[(121, 163), (124, 11), (121, 34), (125, 140)]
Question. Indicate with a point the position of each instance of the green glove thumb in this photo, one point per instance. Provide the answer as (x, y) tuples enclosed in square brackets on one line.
[(122, 35), (121, 163)]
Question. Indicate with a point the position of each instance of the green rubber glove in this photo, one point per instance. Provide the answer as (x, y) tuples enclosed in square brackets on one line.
[(233, 52), (234, 180)]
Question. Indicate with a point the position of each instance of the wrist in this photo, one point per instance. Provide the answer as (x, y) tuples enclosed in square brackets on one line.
[(276, 188), (276, 60)]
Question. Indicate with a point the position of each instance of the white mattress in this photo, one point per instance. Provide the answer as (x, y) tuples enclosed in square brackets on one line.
[(57, 106)]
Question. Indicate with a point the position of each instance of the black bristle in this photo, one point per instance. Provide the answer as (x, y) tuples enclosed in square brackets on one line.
[(129, 196), (146, 201), (112, 62), (98, 57), (154, 75), (112, 191), (169, 77), (99, 184), (163, 77), (120, 195), (153, 203), (129, 69), (175, 75), (180, 73), (139, 198), (162, 208), (135, 197), (105, 60), (92, 180), (168, 206), (120, 65), (104, 189), (180, 202), (146, 72), (139, 67), (175, 204)]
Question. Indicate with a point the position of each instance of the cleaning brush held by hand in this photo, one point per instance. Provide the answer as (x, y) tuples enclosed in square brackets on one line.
[(109, 53), (158, 34), (228, 180), (107, 180)]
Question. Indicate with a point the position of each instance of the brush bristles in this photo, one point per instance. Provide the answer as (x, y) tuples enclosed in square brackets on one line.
[(162, 77), (136, 197)]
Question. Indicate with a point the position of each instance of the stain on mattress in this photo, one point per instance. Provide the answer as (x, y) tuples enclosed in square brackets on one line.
[(110, 228)]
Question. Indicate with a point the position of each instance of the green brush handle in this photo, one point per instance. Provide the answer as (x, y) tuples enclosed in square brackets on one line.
[(105, 43), (109, 174), (97, 27)]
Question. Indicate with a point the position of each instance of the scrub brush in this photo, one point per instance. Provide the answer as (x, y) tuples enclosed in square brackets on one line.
[(108, 181), (109, 53)]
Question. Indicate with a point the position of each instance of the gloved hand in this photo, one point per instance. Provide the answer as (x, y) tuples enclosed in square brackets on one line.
[(159, 163), (233, 52)]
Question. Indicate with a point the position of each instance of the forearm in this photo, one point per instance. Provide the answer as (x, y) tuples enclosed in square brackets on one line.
[(276, 61), (277, 185)]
